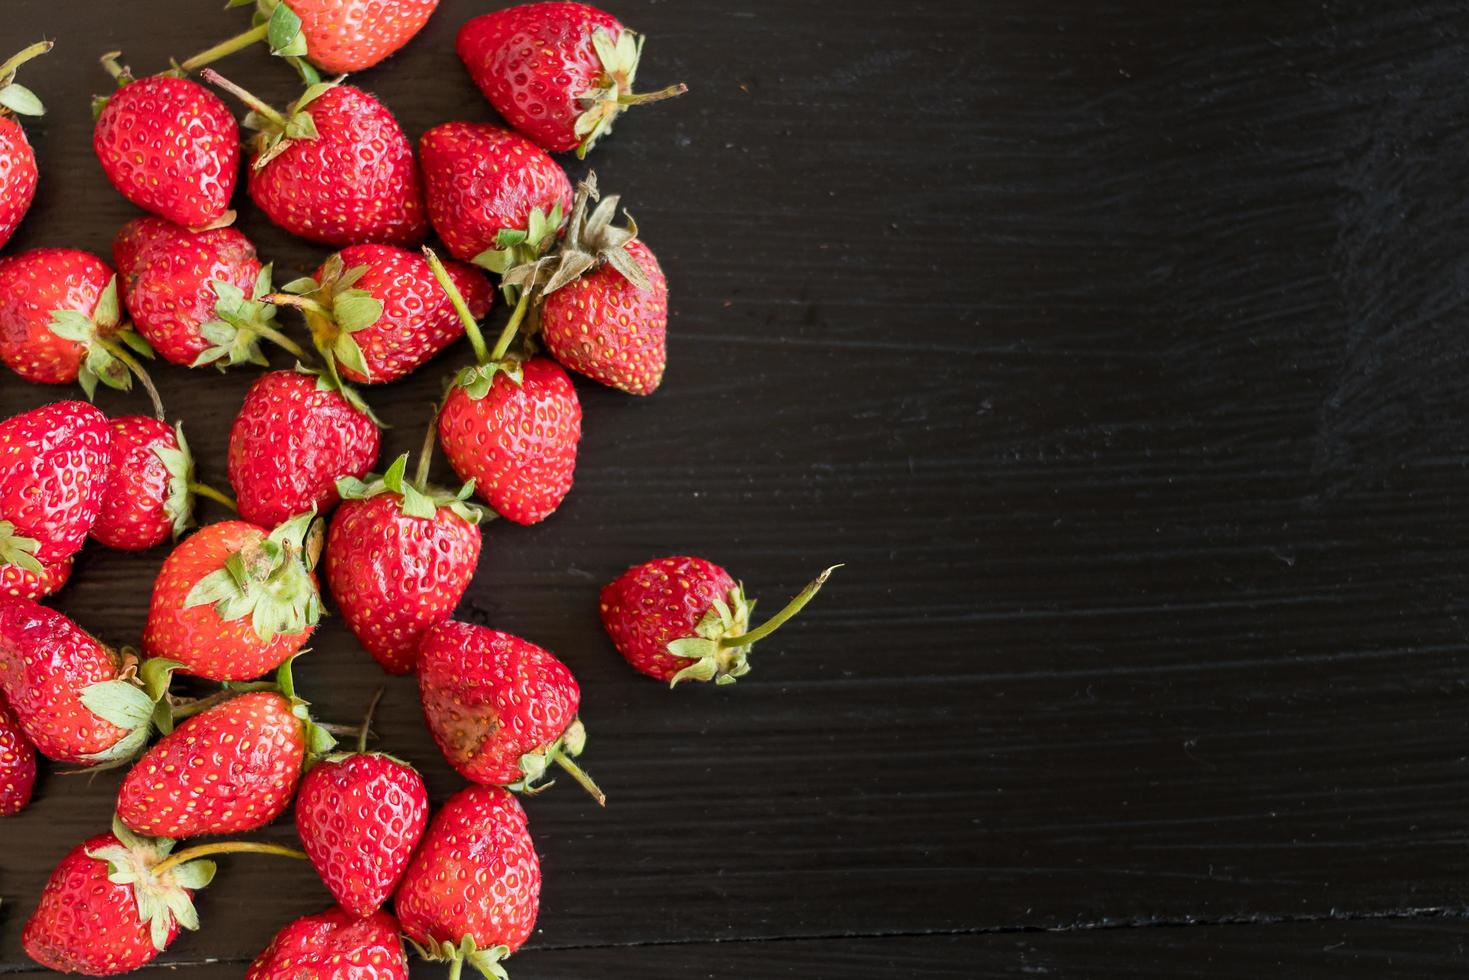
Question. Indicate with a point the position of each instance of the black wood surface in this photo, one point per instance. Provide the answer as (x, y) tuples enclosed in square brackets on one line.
[(1117, 350)]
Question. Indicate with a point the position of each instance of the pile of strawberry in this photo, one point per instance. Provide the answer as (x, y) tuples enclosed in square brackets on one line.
[(236, 601)]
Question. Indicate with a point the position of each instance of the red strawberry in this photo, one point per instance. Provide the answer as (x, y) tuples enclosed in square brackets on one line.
[(169, 145), (26, 584), (17, 160), (113, 904), (53, 482), (334, 945), (474, 887), (336, 168), (561, 73), (234, 601), (684, 618), (399, 556), (501, 709), (483, 182), (196, 296), (76, 699), (377, 313), (148, 495), (60, 321), (294, 436), (350, 35), (17, 764)]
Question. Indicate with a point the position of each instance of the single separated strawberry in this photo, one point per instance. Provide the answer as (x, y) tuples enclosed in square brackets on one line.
[(18, 174), (376, 312), (76, 699), (683, 618), (493, 191), (61, 321), (500, 708), (56, 460), (561, 73), (337, 36), (17, 763), (294, 437), (334, 945), (149, 495), (336, 168), (509, 423), (26, 584), (473, 889), (234, 600), (168, 145)]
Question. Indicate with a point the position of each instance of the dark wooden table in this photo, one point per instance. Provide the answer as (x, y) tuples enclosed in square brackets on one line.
[(1120, 354)]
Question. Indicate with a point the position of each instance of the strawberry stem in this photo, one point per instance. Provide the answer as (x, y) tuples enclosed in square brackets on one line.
[(118, 351), (261, 108), (9, 66), (204, 490), (226, 48), (471, 328), (426, 453), (367, 721), (456, 968), (775, 622), (224, 847), (281, 340), (512, 326), (640, 98), (582, 778), (297, 303), (119, 72)]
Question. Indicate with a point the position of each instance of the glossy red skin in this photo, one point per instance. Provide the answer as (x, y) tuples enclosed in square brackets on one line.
[(334, 945), (168, 288), (518, 442), (24, 584), (196, 637), (85, 923), (533, 62), (418, 320), (359, 819), (356, 183), (17, 177), (652, 604), (603, 326), (475, 874), (394, 576), (171, 147), (46, 661), (480, 179), (490, 697), (137, 237), (227, 770), (54, 475), (132, 516), (289, 444), (17, 764), (32, 285), (350, 35)]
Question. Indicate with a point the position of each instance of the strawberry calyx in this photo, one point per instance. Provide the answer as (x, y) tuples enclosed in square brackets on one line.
[(602, 104), (534, 765), (105, 340), (161, 888), (416, 498), (16, 99), (275, 131), (519, 246), (268, 580), (20, 551), (133, 701), (239, 324), (486, 961), (334, 311), (722, 640)]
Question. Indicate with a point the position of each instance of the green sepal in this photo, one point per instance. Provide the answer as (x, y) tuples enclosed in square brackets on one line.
[(319, 741), (486, 961), (161, 902), (351, 311), (284, 33), (119, 702), (415, 502), (273, 139), (713, 660), (19, 551), (21, 100), (269, 581), (476, 379), (601, 106), (178, 506), (518, 246), (234, 334), (534, 765)]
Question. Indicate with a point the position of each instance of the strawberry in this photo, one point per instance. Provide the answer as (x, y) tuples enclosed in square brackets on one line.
[(334, 945), (561, 73), (350, 35), (500, 708), (26, 584), (484, 183), (376, 312), (473, 889), (336, 168), (683, 618), (234, 601), (168, 145), (399, 556), (196, 296), (149, 492), (293, 437), (60, 321), (18, 173), (17, 764), (52, 484), (76, 699)]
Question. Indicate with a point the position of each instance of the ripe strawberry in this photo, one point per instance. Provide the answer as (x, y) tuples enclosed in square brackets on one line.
[(473, 890), (500, 708), (26, 584), (168, 145), (196, 296), (60, 321), (52, 483), (17, 160), (292, 439), (76, 699), (483, 182), (17, 764), (350, 35), (334, 945), (234, 601), (561, 73), (149, 491), (377, 313), (336, 168), (113, 904)]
